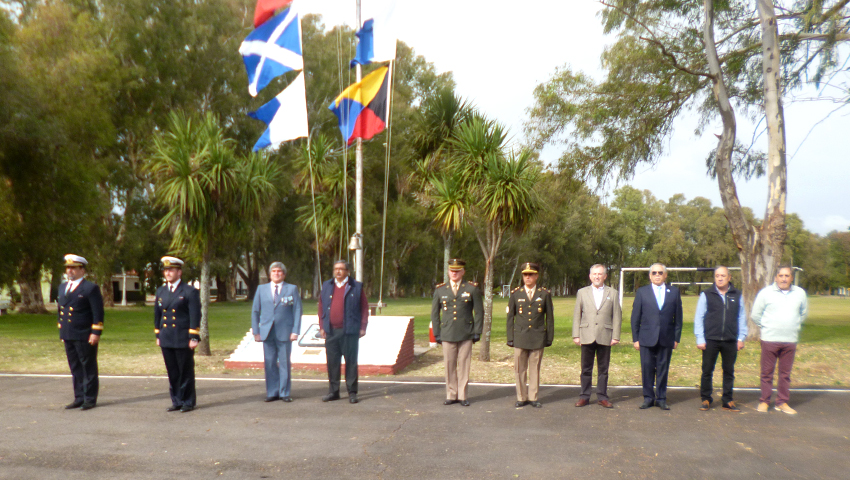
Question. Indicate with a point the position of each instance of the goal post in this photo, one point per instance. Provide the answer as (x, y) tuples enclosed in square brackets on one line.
[(669, 269)]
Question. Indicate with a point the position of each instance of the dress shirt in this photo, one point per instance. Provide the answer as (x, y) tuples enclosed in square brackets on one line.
[(173, 286), (342, 283), (529, 292), (72, 285), (279, 287), (702, 309), (455, 287), (659, 294), (598, 295)]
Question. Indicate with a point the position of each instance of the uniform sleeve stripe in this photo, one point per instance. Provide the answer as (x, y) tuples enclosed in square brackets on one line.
[(98, 326), (155, 330), (194, 331)]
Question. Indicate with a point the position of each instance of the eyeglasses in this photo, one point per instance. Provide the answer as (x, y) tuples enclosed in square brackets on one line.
[(656, 273)]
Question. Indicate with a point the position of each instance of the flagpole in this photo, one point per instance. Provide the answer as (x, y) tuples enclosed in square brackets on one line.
[(358, 185)]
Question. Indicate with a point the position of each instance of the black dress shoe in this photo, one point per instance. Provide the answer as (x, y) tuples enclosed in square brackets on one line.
[(87, 406), (75, 404), (646, 404), (662, 404), (520, 404), (536, 404), (450, 402), (186, 408), (173, 408), (352, 398), (272, 399), (464, 403), (287, 399), (330, 397)]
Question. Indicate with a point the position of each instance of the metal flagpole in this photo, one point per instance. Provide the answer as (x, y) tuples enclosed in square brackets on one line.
[(358, 186)]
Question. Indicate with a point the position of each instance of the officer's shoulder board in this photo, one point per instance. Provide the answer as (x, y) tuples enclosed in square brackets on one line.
[(474, 284), (440, 285), (543, 289), (514, 290)]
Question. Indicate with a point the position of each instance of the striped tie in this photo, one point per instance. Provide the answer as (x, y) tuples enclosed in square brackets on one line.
[(276, 294)]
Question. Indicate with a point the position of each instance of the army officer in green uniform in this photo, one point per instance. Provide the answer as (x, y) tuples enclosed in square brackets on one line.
[(531, 327), (457, 317)]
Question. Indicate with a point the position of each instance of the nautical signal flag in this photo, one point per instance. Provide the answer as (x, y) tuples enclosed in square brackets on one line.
[(265, 10), (272, 50), (286, 115), (372, 46), (362, 107)]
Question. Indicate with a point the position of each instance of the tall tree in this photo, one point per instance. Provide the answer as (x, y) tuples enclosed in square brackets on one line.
[(669, 60)]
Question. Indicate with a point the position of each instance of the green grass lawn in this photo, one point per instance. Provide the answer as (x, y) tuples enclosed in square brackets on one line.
[(31, 345)]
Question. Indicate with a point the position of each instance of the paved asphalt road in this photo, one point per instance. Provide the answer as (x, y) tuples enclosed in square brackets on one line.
[(402, 431)]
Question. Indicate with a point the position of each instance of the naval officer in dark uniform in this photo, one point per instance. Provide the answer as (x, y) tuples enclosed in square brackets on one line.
[(531, 328), (457, 317), (80, 308), (177, 323)]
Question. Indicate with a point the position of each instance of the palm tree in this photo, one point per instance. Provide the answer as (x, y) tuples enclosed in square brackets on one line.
[(502, 196), (206, 190)]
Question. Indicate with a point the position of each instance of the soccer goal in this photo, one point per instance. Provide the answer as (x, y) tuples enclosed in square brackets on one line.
[(670, 269)]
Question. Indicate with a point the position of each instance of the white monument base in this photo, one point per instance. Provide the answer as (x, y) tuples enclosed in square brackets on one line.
[(387, 347)]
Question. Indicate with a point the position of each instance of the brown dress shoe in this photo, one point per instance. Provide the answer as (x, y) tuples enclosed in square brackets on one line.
[(582, 402), (705, 405), (606, 404)]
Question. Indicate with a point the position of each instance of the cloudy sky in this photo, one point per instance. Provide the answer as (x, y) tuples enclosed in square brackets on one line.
[(500, 50)]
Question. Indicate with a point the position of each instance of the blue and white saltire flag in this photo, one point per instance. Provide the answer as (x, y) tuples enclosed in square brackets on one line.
[(286, 115), (377, 37), (273, 49)]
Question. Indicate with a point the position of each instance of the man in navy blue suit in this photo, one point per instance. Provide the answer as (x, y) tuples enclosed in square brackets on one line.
[(276, 321), (656, 332)]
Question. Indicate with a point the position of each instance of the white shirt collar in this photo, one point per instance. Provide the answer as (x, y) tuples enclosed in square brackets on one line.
[(72, 284), (173, 286), (341, 284), (598, 289)]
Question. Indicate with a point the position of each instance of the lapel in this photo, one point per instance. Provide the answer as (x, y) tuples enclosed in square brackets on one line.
[(270, 292), (63, 299), (605, 295)]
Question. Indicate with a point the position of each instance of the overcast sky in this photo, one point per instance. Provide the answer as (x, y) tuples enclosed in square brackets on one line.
[(498, 51)]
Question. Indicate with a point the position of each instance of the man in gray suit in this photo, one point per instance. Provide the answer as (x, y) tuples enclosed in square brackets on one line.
[(596, 328), (276, 321)]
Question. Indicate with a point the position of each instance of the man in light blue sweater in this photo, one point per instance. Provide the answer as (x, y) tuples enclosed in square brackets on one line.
[(779, 310)]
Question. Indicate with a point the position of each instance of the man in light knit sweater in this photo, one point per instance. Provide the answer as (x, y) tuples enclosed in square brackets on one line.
[(779, 310)]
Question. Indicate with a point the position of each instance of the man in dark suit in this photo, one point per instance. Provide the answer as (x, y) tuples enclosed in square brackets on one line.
[(597, 320), (461, 307), (80, 308), (276, 321), (656, 332), (177, 323), (343, 317), (531, 328)]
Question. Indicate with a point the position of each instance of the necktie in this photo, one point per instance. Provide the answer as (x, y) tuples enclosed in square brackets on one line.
[(658, 296), (68, 290), (276, 294), (454, 288), (172, 288)]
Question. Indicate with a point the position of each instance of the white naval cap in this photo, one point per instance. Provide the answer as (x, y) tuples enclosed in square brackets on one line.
[(171, 262), (72, 260)]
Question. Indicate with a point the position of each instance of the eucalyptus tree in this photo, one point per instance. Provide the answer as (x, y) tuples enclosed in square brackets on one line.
[(205, 189), (671, 58)]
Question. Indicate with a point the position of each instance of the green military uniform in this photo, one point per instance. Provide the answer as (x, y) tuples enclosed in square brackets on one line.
[(530, 328), (531, 323), (460, 317)]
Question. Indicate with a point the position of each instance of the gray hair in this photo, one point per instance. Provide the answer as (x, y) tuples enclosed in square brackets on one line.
[(719, 267), (344, 262), (599, 265), (657, 263), (279, 265)]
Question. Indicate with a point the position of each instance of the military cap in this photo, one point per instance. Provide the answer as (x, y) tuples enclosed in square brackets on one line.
[(456, 264), (72, 260), (529, 267), (171, 262)]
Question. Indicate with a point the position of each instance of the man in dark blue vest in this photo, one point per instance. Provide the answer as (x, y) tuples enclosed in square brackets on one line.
[(343, 316), (720, 326), (177, 323), (656, 332), (80, 309)]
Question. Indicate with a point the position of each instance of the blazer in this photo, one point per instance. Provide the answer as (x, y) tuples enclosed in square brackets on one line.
[(651, 326), (177, 316), (80, 312), (531, 323), (285, 315), (592, 325), (456, 318)]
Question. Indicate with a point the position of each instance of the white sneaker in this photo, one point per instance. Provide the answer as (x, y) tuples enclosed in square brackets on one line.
[(763, 407), (785, 408)]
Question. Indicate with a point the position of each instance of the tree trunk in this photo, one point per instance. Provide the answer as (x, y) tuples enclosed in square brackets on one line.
[(232, 281), (108, 292), (489, 247), (29, 281), (447, 254), (204, 346), (221, 285), (759, 249)]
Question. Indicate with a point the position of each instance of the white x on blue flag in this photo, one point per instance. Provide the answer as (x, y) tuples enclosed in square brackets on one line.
[(272, 50)]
